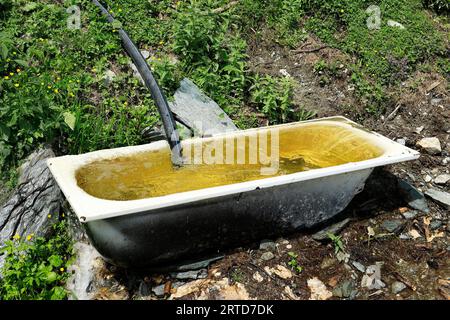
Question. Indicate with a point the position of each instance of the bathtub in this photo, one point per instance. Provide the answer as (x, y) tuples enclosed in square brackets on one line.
[(185, 225)]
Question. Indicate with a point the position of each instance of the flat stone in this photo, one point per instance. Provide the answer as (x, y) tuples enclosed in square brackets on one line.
[(199, 112), (198, 264), (397, 287), (427, 178), (435, 224), (266, 256), (158, 290), (333, 229), (442, 179), (193, 274), (411, 214), (441, 197), (395, 24), (431, 145), (413, 197), (392, 225), (267, 245), (359, 266), (344, 290)]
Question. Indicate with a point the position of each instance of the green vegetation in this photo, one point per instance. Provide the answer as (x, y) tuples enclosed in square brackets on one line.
[(293, 262), (337, 242), (36, 269)]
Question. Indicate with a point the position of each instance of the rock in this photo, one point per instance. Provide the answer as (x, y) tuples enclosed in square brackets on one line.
[(197, 265), (144, 289), (411, 214), (108, 77), (333, 229), (441, 197), (34, 205), (83, 283), (285, 73), (266, 256), (208, 289), (290, 293), (145, 54), (199, 112), (318, 290), (430, 145), (446, 161), (372, 278), (327, 262), (418, 130), (159, 290), (267, 245), (345, 290), (427, 178), (342, 256), (412, 196), (395, 24), (280, 271), (257, 277), (360, 267), (435, 224), (401, 141), (194, 274), (136, 73), (397, 287), (442, 179), (392, 226)]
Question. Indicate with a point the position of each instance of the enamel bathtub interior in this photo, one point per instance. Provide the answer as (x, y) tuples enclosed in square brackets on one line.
[(88, 207)]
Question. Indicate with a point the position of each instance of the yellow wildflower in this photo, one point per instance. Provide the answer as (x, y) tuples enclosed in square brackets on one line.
[(71, 94), (49, 216), (62, 269), (58, 78), (161, 42), (16, 237), (42, 83), (94, 70), (29, 237), (120, 10), (56, 91), (49, 87), (18, 70), (6, 77), (11, 74), (16, 85)]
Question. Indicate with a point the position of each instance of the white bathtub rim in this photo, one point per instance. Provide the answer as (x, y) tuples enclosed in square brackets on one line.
[(89, 208)]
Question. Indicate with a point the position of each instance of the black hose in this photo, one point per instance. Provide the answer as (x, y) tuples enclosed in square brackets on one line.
[(157, 95)]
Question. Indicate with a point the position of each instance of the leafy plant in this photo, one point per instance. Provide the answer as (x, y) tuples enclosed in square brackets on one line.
[(293, 262), (337, 241), (36, 269)]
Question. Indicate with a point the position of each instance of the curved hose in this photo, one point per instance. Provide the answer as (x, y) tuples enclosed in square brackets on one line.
[(157, 95)]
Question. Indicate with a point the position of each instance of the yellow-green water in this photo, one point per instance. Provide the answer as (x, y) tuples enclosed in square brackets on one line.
[(151, 174)]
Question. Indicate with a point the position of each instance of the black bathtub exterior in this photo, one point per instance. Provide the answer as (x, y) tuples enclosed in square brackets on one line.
[(188, 231)]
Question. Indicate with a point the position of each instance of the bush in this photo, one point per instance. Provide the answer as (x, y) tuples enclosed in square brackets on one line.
[(36, 269)]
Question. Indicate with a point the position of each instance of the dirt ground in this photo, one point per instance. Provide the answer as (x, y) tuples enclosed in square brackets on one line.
[(413, 259)]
